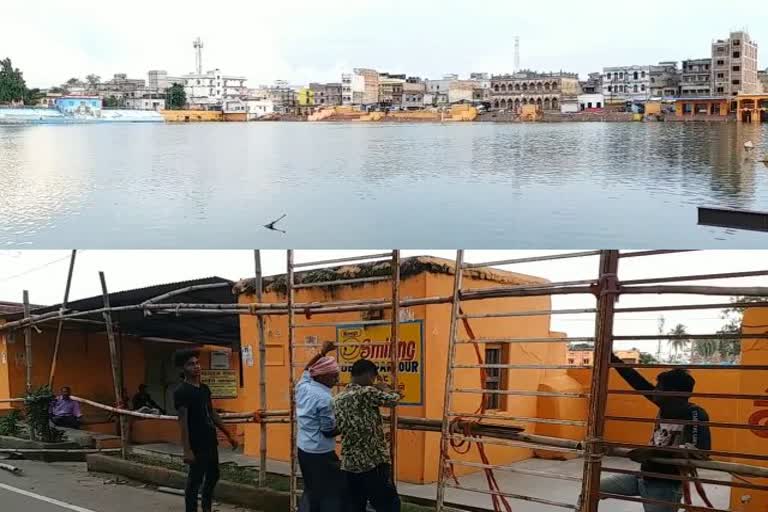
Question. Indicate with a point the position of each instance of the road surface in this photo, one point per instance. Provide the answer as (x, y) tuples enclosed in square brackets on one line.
[(63, 487)]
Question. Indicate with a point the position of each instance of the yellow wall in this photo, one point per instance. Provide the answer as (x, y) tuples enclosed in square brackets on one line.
[(189, 116), (306, 97), (419, 452)]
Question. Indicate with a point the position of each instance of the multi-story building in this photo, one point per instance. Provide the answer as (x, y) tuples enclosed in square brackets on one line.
[(365, 86), (212, 88), (281, 97), (696, 78), (121, 87), (327, 95), (593, 84), (159, 81), (665, 80), (734, 65), (623, 84), (437, 90), (532, 88), (460, 91), (413, 93), (391, 90)]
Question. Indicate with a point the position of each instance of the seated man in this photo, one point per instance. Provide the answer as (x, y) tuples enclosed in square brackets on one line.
[(142, 402), (64, 411)]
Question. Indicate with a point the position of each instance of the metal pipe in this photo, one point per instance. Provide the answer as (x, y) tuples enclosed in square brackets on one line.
[(520, 393), (711, 424), (523, 419), (507, 469), (724, 396), (524, 366), (293, 507), (527, 340), (447, 393), (695, 277), (681, 478), (535, 312), (517, 443), (394, 356), (513, 496), (532, 259), (687, 451)]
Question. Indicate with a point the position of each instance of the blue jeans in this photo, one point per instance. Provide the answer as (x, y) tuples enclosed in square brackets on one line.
[(630, 485)]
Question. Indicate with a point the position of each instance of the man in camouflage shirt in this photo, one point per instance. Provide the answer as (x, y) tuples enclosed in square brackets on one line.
[(364, 448)]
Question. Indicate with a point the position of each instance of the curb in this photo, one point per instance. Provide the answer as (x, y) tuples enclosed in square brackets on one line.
[(229, 492)]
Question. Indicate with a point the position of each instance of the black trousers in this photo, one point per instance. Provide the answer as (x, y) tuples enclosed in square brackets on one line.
[(66, 421), (324, 484), (376, 487), (204, 471)]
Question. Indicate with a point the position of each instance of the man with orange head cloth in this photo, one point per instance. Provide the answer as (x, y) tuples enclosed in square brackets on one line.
[(320, 466)]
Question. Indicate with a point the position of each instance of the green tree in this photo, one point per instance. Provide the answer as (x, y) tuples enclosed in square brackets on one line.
[(680, 342), (93, 80), (175, 97), (110, 102), (646, 358), (12, 85)]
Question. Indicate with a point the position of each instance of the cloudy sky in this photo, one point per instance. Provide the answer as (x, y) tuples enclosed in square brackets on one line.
[(43, 273), (305, 40)]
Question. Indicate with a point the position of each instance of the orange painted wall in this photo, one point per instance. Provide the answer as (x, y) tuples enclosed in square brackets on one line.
[(419, 452), (5, 385), (754, 352)]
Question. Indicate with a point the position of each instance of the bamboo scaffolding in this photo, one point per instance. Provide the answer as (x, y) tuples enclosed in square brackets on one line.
[(711, 424), (394, 354), (60, 328), (342, 282), (527, 472), (690, 451), (723, 396), (116, 374), (293, 486), (535, 312), (695, 277), (343, 260), (259, 285), (526, 340), (27, 344), (532, 259), (182, 291), (692, 307), (520, 497), (681, 478), (638, 254)]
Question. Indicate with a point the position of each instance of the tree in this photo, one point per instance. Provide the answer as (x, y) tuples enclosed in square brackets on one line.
[(73, 82), (12, 85), (175, 97), (646, 358), (93, 81), (680, 342), (111, 102), (33, 96)]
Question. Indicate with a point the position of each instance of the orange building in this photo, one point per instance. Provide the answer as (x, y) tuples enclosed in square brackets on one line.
[(752, 108), (702, 107), (421, 277)]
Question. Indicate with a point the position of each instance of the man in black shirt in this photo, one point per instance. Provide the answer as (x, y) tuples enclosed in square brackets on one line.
[(198, 422), (665, 435)]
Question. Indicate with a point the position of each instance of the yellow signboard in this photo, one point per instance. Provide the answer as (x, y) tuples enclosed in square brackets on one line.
[(223, 383), (372, 342)]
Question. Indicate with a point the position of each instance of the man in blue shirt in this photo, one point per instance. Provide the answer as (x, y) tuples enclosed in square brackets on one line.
[(320, 466)]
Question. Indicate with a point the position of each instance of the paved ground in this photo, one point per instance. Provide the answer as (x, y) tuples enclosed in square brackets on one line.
[(512, 483), (74, 489)]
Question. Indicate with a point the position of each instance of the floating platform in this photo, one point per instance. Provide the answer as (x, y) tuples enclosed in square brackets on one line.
[(733, 218)]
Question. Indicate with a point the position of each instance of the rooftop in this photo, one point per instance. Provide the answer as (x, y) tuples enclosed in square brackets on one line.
[(409, 267)]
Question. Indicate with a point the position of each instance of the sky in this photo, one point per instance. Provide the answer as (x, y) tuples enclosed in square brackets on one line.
[(44, 274), (306, 40)]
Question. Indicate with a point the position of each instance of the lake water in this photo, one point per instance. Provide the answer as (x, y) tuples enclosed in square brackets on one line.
[(542, 186)]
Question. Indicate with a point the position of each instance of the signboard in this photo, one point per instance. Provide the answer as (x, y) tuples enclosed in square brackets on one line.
[(219, 360), (247, 353), (361, 342), (223, 383)]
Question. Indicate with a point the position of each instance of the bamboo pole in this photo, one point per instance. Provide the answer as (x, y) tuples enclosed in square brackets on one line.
[(28, 344), (743, 291), (262, 372), (594, 450), (184, 290), (532, 259), (117, 381), (394, 338), (447, 393), (60, 328), (343, 260), (293, 487)]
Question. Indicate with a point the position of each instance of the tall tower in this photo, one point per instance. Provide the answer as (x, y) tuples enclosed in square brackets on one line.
[(517, 54), (198, 46)]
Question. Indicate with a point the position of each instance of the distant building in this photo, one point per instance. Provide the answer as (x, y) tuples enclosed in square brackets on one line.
[(437, 91), (327, 95), (591, 102), (734, 65), (120, 87), (365, 87), (413, 93), (461, 91), (586, 356), (762, 77), (696, 78), (210, 89), (593, 84), (665, 80), (391, 90), (159, 82), (49, 100), (622, 84), (544, 90), (284, 98), (154, 102)]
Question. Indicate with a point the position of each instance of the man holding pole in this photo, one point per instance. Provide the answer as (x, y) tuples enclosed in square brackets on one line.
[(320, 466), (198, 421), (673, 429)]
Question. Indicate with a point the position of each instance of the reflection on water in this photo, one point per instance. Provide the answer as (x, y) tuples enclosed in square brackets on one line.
[(472, 185)]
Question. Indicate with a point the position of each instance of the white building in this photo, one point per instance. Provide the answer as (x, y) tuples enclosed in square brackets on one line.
[(437, 91), (569, 105), (626, 83), (259, 107), (158, 81), (213, 88), (591, 101), (149, 103)]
